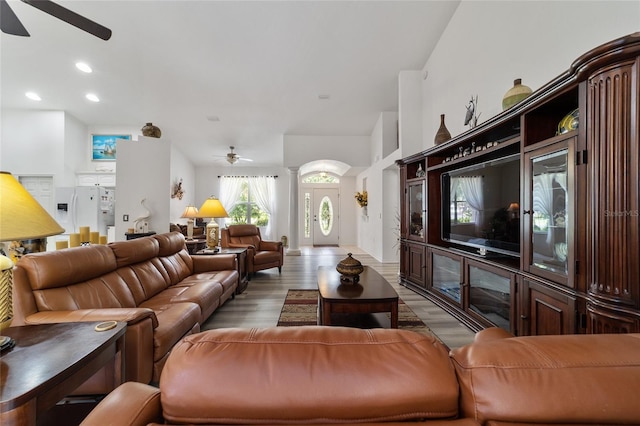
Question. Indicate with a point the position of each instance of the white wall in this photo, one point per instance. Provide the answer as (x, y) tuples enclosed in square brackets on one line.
[(33, 143), (488, 44), (301, 149), (182, 168), (410, 111), (143, 173), (375, 230)]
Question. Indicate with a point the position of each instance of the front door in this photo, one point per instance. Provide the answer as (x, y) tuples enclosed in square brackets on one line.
[(325, 216)]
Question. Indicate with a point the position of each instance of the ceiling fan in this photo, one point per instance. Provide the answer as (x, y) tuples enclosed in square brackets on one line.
[(232, 157), (10, 24)]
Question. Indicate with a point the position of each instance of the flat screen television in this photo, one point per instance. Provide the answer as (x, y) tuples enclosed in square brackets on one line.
[(480, 206)]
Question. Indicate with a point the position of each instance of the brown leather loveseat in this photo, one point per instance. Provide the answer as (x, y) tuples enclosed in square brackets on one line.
[(151, 283), (334, 375)]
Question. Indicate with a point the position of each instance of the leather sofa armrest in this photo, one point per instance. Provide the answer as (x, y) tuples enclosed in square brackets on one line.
[(129, 315), (219, 262), (270, 245), (131, 403)]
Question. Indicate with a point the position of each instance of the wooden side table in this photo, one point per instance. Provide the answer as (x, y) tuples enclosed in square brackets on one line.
[(241, 261), (50, 361), (195, 245)]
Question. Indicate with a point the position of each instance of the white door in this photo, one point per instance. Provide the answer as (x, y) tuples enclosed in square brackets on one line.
[(40, 188), (325, 216)]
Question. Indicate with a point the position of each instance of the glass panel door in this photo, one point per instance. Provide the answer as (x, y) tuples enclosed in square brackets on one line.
[(548, 211), (490, 296), (416, 210), (446, 275), (549, 201)]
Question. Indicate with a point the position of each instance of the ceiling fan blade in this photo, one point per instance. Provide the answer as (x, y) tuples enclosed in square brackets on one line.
[(71, 17), (9, 22)]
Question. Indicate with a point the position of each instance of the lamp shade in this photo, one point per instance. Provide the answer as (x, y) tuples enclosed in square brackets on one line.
[(212, 207), (190, 212), (21, 216)]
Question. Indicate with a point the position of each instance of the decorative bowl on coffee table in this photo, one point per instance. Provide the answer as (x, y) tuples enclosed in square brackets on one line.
[(350, 269)]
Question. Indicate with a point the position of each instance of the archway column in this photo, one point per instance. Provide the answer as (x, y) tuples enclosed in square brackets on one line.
[(294, 240)]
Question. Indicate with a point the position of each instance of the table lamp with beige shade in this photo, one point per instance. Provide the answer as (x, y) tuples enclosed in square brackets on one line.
[(190, 212), (21, 218), (212, 208)]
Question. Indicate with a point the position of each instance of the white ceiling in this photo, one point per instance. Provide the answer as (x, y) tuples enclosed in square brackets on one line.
[(259, 66)]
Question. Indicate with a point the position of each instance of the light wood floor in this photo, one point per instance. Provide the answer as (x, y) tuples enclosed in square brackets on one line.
[(260, 304)]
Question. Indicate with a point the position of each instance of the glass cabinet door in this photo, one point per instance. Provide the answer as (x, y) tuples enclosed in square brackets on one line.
[(446, 274), (490, 294), (548, 212), (416, 199)]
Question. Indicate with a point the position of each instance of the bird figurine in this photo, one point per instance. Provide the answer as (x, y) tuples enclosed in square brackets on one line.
[(141, 223), (471, 118)]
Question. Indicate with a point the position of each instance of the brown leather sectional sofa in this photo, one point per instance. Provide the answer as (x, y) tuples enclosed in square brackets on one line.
[(152, 283), (333, 375)]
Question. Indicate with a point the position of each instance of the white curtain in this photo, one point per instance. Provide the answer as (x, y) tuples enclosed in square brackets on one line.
[(471, 187), (230, 188), (263, 190), (543, 196)]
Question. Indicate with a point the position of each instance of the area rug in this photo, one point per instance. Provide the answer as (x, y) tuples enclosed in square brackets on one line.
[(301, 308)]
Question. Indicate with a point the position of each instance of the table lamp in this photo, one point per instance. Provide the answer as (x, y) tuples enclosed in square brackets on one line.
[(212, 208), (21, 218), (191, 212)]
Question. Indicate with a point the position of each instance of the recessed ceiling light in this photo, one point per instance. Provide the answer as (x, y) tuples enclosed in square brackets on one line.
[(213, 118), (83, 67), (92, 97), (33, 96), (324, 97)]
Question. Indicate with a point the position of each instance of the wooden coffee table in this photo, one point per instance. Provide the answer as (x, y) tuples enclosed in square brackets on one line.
[(371, 294)]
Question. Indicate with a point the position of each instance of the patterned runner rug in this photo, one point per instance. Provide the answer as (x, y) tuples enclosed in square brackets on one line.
[(301, 308)]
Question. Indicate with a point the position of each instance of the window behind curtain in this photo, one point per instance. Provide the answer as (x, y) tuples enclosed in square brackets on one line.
[(246, 210)]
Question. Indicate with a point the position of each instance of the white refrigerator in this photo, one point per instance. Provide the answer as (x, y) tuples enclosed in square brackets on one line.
[(92, 206)]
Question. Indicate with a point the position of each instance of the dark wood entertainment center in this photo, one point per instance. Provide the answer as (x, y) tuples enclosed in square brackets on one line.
[(576, 222)]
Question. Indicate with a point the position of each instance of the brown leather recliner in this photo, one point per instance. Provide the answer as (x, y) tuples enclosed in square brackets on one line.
[(260, 254)]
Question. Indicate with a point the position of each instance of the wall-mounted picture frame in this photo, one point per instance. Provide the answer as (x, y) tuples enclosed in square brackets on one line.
[(103, 147)]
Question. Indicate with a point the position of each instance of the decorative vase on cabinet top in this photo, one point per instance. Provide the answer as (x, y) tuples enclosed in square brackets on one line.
[(151, 131), (514, 95), (442, 135)]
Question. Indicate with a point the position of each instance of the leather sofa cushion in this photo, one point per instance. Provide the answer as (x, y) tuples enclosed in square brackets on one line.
[(307, 375), (263, 257), (145, 279), (134, 251), (244, 234), (107, 291), (175, 320), (204, 294), (566, 381), (227, 279), (64, 267)]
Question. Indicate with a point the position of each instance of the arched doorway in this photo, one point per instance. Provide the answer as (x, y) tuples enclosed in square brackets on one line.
[(320, 211)]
